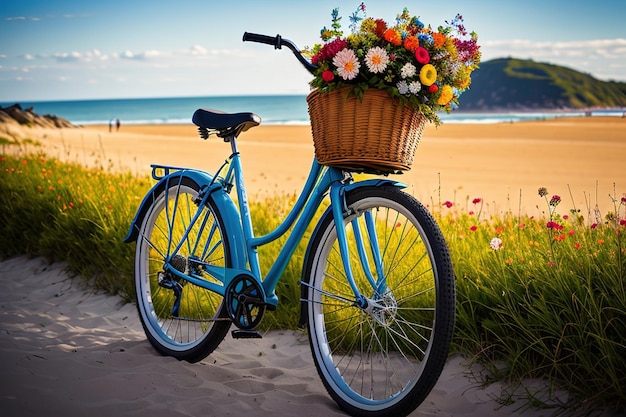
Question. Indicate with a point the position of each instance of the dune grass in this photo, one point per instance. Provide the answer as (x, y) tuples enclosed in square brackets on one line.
[(538, 297)]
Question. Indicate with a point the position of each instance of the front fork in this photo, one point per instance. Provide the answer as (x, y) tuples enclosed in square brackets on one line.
[(340, 211)]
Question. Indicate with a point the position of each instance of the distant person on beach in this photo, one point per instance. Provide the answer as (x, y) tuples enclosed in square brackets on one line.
[(110, 125), (117, 124)]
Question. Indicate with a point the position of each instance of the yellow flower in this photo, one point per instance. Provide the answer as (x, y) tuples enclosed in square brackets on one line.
[(446, 95), (428, 75)]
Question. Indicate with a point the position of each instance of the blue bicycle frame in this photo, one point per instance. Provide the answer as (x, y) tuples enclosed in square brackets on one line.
[(238, 224)]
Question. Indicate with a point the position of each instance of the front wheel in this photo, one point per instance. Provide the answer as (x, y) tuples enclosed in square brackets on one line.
[(181, 319), (384, 358)]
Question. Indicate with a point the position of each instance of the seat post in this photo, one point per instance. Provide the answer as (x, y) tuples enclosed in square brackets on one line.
[(232, 138)]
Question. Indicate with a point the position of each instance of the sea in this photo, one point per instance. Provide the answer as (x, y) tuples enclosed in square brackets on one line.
[(273, 110)]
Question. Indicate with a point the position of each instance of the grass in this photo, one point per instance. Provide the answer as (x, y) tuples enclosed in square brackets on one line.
[(538, 297)]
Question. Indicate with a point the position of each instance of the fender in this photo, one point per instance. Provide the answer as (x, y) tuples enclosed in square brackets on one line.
[(225, 206), (379, 182)]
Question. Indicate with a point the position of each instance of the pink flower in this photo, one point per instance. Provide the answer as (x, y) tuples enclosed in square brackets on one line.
[(347, 64)]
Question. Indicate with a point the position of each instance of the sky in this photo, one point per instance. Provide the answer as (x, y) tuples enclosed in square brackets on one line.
[(95, 49)]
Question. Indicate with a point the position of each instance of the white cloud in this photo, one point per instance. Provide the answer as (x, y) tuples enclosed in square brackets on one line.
[(73, 56), (198, 50), (613, 48), (21, 18), (603, 58)]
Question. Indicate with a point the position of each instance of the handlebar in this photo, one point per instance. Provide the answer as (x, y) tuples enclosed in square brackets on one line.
[(278, 42)]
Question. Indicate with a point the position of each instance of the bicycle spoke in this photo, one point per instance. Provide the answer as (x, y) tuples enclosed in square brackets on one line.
[(376, 355)]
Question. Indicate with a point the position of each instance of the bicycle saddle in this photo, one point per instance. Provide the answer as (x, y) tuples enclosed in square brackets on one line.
[(223, 124)]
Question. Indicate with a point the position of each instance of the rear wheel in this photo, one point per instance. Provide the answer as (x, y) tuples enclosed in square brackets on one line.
[(180, 319), (382, 359)]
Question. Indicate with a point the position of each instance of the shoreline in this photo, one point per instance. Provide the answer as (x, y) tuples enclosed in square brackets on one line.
[(580, 159)]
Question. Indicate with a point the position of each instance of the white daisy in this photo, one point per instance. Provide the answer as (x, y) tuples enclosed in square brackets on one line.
[(376, 59), (347, 64), (496, 243)]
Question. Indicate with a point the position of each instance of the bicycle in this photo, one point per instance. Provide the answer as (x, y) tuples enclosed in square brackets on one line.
[(378, 292)]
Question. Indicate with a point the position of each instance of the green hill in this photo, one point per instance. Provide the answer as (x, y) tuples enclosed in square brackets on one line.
[(510, 84)]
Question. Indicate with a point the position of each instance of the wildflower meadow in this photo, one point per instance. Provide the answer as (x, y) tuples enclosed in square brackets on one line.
[(539, 297)]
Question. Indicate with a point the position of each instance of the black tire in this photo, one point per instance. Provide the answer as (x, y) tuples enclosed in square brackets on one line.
[(383, 362), (200, 322)]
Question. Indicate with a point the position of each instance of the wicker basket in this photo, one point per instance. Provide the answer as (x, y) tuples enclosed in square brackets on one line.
[(375, 135)]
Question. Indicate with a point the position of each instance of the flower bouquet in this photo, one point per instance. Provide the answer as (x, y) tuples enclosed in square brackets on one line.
[(378, 86)]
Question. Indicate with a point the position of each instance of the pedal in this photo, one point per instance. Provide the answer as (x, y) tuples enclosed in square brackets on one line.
[(246, 334)]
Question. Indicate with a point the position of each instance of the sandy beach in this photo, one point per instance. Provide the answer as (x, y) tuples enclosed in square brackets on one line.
[(580, 159), (68, 350)]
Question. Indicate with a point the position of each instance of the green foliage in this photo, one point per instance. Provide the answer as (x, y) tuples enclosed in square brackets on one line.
[(517, 84), (537, 297), (68, 213), (544, 298)]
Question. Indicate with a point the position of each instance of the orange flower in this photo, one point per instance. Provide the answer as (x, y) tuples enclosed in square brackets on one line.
[(411, 43), (393, 37), (439, 39)]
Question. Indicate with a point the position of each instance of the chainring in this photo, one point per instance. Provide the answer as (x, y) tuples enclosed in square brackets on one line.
[(245, 302)]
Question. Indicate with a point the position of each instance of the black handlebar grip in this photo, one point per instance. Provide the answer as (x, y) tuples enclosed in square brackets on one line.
[(269, 40)]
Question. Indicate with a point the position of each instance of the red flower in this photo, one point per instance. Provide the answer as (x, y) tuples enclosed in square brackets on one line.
[(448, 204), (381, 27), (422, 56), (433, 88), (328, 76), (329, 50), (554, 225), (473, 228), (476, 200), (555, 200)]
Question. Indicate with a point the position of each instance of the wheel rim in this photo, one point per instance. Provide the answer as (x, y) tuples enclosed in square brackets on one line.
[(198, 309), (372, 358)]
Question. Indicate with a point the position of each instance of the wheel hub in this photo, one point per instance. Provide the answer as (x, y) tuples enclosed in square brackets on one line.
[(383, 308)]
